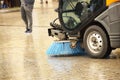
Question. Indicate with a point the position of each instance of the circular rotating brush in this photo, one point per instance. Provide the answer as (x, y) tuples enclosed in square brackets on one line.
[(62, 48)]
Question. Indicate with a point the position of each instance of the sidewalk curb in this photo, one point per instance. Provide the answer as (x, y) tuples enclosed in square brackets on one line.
[(9, 10)]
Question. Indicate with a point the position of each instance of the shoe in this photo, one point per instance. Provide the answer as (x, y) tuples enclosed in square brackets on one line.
[(28, 31)]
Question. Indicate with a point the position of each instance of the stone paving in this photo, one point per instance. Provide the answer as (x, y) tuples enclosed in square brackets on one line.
[(23, 56)]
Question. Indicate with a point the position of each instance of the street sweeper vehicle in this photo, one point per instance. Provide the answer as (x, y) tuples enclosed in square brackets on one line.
[(94, 25)]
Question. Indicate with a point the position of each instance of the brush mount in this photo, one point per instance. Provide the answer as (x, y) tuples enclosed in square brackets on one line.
[(57, 31)]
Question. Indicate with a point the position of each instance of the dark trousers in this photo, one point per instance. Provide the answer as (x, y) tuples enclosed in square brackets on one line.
[(26, 14)]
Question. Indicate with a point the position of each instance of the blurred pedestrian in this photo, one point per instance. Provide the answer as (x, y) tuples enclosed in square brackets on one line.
[(41, 2), (26, 13), (46, 1)]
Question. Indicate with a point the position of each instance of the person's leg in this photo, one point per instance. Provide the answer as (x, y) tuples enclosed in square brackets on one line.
[(29, 16), (24, 17)]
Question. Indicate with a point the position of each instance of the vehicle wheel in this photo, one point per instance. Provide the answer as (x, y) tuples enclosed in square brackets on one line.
[(96, 42)]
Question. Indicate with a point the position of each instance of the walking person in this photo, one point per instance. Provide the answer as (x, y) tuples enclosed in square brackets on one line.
[(41, 2), (26, 13), (45, 1)]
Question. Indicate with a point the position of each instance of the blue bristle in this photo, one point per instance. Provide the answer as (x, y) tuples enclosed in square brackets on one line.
[(63, 48)]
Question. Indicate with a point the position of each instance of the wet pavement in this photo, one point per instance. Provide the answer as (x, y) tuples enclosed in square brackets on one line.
[(23, 56)]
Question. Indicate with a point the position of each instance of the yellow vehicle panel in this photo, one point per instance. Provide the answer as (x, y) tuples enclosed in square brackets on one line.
[(108, 2)]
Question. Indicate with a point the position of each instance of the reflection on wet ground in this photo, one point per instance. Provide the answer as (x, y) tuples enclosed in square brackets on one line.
[(84, 68), (22, 56)]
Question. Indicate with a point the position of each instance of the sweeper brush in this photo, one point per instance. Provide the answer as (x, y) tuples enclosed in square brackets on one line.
[(92, 25), (62, 48)]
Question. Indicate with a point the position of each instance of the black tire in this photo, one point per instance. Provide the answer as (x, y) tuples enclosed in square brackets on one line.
[(96, 42)]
